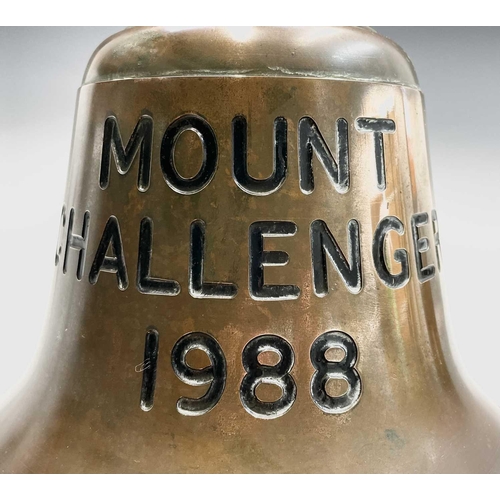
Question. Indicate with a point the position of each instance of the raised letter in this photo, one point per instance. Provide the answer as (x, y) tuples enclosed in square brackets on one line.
[(260, 258), (115, 264), (378, 126), (145, 283), (387, 224), (310, 139), (421, 246), (249, 184), (204, 131), (124, 157), (197, 287), (77, 242), (322, 242)]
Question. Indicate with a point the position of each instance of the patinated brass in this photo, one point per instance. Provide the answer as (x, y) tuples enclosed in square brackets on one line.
[(82, 410)]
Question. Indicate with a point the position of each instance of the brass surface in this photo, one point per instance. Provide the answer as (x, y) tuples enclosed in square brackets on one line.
[(81, 411), (347, 53)]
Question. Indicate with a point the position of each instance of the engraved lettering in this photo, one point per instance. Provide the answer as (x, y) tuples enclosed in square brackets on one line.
[(77, 242), (379, 127), (249, 184), (148, 369), (215, 374), (387, 224), (259, 259), (204, 131), (145, 283), (421, 246), (114, 264), (197, 287), (326, 370), (258, 373), (310, 140), (322, 243), (142, 137)]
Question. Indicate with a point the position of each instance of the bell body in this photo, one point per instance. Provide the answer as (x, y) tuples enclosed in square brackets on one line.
[(248, 271)]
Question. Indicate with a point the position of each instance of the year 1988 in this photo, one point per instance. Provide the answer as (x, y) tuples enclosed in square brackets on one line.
[(256, 373)]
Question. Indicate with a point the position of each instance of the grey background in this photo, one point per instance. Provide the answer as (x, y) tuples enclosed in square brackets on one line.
[(459, 72)]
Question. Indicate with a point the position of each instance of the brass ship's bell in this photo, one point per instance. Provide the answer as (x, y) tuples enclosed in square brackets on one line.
[(248, 269)]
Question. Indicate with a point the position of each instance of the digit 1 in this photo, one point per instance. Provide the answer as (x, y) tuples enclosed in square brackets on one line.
[(149, 369), (215, 374)]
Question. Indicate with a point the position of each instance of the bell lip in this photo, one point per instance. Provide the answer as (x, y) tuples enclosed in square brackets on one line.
[(339, 53)]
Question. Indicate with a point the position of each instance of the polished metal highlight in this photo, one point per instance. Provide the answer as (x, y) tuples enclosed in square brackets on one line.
[(247, 277)]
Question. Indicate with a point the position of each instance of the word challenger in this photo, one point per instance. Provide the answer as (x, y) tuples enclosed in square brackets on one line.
[(110, 256)]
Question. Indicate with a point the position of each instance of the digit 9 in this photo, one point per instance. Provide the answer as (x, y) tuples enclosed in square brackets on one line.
[(215, 374)]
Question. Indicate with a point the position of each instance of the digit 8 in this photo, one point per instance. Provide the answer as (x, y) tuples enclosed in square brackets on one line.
[(326, 370), (258, 373)]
